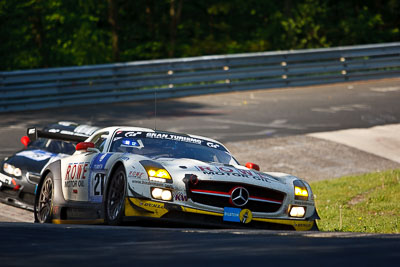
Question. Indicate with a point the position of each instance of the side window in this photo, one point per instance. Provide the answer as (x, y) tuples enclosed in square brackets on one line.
[(99, 140)]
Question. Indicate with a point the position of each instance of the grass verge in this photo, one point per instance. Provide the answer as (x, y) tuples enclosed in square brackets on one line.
[(363, 203)]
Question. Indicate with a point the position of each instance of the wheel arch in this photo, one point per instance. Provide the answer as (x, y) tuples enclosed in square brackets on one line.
[(55, 169), (118, 164), (114, 168)]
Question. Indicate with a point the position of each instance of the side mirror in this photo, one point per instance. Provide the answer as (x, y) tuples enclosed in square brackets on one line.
[(253, 166), (32, 134), (25, 140), (84, 146)]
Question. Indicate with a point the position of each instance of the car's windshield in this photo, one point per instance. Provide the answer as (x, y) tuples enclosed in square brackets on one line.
[(156, 145), (53, 146)]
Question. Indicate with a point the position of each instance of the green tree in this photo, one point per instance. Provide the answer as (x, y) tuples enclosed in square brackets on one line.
[(52, 33)]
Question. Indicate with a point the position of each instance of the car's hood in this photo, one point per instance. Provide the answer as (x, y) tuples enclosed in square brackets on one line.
[(178, 168), (32, 160)]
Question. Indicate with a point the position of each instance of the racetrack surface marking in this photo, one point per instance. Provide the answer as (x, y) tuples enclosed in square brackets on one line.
[(382, 141), (385, 89)]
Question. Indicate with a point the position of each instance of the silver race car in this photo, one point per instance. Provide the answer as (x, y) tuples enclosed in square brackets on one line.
[(128, 173)]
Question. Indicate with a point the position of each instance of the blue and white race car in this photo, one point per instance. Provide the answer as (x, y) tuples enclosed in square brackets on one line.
[(128, 173), (20, 173)]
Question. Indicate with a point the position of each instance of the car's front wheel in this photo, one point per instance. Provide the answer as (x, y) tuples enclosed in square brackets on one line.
[(44, 201), (115, 197)]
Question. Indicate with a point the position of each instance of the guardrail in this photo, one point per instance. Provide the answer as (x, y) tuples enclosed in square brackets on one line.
[(170, 78)]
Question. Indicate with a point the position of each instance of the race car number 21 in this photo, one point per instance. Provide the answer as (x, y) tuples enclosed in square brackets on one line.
[(98, 187)]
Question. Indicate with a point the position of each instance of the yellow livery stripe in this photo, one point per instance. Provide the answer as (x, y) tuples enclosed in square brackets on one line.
[(298, 225), (148, 208), (145, 208), (185, 209), (96, 221)]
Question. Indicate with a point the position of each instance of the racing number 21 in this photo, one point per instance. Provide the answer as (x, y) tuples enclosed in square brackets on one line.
[(98, 188)]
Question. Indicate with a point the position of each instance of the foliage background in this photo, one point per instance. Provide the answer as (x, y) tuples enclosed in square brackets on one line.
[(55, 33)]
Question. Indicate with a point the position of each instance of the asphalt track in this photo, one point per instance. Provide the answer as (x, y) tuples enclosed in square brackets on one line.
[(241, 118), (66, 245)]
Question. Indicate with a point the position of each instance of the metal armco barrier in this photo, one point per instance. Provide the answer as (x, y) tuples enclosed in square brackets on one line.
[(170, 78)]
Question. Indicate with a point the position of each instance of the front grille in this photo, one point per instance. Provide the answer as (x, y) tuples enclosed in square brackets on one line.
[(218, 194)]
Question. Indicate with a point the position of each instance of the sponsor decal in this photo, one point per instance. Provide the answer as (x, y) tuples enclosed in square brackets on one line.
[(100, 161), (152, 205), (231, 214), (303, 203), (237, 215), (131, 134), (210, 144), (137, 207), (180, 196), (135, 174), (230, 171), (76, 174), (36, 155), (168, 136), (145, 182), (245, 216), (173, 137)]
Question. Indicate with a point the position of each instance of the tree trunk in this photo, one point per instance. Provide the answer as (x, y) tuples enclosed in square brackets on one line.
[(149, 17), (175, 14), (39, 35), (112, 19)]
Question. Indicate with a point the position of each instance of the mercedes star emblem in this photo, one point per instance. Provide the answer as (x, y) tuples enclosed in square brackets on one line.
[(240, 196)]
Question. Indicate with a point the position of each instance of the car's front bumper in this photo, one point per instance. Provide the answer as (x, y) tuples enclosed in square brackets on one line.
[(137, 209), (14, 192)]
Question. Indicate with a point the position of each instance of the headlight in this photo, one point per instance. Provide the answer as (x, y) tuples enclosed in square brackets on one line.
[(300, 190), (160, 193), (159, 173), (11, 169), (156, 171), (298, 212)]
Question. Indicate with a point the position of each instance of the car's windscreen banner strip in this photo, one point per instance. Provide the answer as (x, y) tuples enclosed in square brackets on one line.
[(169, 136)]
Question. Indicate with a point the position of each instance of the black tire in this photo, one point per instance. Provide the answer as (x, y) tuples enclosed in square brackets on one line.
[(114, 203), (44, 202)]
